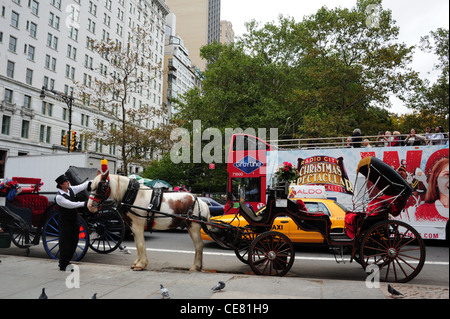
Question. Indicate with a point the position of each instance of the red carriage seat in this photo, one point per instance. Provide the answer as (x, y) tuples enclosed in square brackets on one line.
[(37, 203), (378, 206)]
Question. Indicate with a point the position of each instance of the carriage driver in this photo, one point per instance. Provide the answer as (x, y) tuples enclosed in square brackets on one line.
[(68, 227)]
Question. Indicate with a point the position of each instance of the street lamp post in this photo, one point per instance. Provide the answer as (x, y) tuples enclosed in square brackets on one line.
[(69, 102)]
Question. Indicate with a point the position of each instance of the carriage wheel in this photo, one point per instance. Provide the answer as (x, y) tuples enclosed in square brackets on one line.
[(395, 248), (50, 238), (21, 235), (272, 254), (106, 231), (242, 249)]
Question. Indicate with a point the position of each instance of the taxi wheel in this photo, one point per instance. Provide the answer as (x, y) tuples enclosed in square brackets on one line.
[(271, 254)]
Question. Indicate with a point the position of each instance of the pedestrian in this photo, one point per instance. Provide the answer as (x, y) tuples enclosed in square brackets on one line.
[(356, 138), (396, 139), (413, 139), (68, 226), (366, 143), (380, 139), (437, 138), (428, 134), (387, 138)]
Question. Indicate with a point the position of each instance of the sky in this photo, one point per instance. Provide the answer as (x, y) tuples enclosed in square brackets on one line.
[(416, 18)]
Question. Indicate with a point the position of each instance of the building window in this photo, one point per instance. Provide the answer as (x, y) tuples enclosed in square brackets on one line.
[(15, 19), (50, 63), (45, 133), (29, 77), (10, 69), (72, 52), (27, 102), (8, 96), (33, 29), (73, 33), (42, 133), (54, 20), (91, 26), (56, 3), (31, 51), (34, 6), (25, 128), (12, 43), (6, 124), (52, 41), (47, 108)]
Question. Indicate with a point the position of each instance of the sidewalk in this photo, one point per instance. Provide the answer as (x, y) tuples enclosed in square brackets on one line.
[(24, 278)]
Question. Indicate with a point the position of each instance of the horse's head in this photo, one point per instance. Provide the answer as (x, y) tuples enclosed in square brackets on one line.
[(100, 191)]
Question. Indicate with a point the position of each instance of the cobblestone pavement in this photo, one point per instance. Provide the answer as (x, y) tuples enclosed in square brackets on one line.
[(416, 291)]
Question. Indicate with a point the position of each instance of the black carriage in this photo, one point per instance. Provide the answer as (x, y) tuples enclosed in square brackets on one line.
[(29, 218), (376, 240)]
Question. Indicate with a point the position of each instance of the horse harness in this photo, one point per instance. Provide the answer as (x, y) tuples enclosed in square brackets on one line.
[(154, 206)]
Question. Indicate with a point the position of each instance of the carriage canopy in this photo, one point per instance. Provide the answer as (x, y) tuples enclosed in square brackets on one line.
[(382, 181)]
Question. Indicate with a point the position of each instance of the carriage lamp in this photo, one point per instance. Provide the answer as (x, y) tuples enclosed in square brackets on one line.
[(69, 102)]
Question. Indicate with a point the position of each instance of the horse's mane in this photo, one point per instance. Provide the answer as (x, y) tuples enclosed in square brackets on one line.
[(117, 183)]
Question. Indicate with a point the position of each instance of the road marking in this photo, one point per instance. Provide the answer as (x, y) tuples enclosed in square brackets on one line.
[(439, 263)]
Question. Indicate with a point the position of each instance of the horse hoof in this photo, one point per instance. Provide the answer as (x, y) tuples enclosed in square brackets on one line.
[(138, 269)]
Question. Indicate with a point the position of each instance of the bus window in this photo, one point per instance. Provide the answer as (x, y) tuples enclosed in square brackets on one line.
[(249, 143), (252, 188)]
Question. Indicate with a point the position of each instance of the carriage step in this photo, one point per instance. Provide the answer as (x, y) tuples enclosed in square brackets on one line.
[(341, 237)]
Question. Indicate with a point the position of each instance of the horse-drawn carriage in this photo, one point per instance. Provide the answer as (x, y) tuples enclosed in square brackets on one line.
[(29, 218), (376, 241)]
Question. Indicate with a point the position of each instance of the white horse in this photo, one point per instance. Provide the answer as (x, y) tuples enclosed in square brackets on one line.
[(183, 204)]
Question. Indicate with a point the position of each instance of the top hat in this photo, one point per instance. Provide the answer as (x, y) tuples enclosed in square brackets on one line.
[(61, 179)]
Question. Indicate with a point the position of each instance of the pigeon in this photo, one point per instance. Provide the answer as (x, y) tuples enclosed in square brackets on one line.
[(218, 287), (43, 295), (394, 292), (94, 296), (164, 292)]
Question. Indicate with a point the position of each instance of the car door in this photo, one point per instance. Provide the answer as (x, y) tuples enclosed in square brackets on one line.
[(297, 235), (282, 224)]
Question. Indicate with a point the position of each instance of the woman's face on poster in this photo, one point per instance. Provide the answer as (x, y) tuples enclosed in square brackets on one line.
[(442, 181)]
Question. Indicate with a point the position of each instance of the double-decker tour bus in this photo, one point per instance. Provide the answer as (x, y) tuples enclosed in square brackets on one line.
[(246, 166)]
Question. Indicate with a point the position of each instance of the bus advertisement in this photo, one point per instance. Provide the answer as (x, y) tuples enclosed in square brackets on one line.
[(425, 168)]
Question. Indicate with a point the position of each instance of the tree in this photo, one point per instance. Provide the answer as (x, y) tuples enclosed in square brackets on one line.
[(332, 70), (125, 77), (432, 100)]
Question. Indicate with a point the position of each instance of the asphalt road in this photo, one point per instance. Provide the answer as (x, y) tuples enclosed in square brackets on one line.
[(174, 250)]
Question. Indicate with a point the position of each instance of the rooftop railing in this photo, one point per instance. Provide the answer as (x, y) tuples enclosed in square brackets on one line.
[(366, 141)]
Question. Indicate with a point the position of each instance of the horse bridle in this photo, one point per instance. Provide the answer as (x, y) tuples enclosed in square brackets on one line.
[(101, 194)]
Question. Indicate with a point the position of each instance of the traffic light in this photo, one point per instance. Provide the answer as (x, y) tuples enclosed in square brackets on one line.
[(73, 142), (64, 140)]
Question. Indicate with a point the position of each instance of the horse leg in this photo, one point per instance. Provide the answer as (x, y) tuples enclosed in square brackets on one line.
[(138, 232), (194, 233)]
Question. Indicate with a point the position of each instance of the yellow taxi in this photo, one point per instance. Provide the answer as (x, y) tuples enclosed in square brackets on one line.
[(286, 225)]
